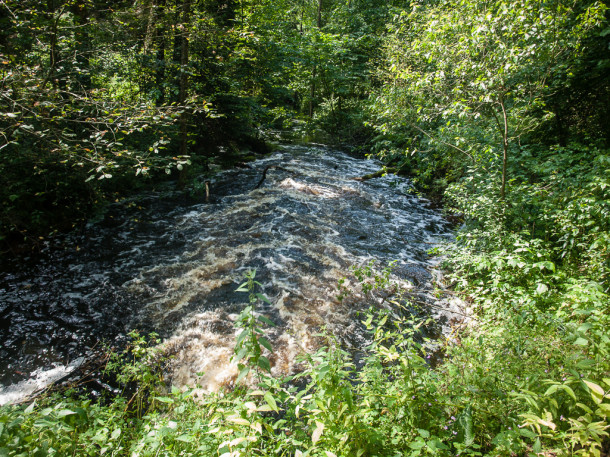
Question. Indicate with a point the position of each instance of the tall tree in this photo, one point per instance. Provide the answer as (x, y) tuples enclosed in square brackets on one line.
[(471, 76)]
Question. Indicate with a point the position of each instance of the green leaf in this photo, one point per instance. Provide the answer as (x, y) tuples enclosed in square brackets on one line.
[(265, 408), (603, 409), (585, 408), (186, 438), (266, 321), (569, 391), (264, 363), (242, 353), (551, 390), (238, 420), (417, 445), (271, 401), (537, 447), (322, 370), (545, 265), (242, 374), (30, 408), (581, 342), (241, 336), (465, 426), (242, 288), (263, 298), (265, 343), (423, 433), (527, 433), (597, 393), (584, 327)]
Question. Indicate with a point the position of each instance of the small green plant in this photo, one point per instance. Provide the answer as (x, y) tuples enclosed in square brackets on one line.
[(251, 340), (369, 278), (139, 371)]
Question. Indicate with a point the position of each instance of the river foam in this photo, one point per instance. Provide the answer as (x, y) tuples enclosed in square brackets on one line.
[(171, 265)]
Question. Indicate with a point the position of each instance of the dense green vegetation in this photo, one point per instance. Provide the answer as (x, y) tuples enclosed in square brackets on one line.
[(95, 93), (498, 108)]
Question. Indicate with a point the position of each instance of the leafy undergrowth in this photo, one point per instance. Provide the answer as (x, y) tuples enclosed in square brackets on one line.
[(529, 377)]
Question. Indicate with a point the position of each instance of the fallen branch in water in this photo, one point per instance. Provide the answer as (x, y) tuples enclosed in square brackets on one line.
[(377, 174), (277, 167)]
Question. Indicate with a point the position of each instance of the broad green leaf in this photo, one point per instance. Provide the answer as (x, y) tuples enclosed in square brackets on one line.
[(551, 390), (265, 320), (265, 343), (30, 408), (238, 420), (569, 391), (250, 405), (537, 447), (584, 327), (270, 401), (264, 408), (597, 393), (263, 298), (241, 336), (423, 433), (264, 363), (581, 342), (186, 438), (464, 422), (242, 353), (242, 288), (242, 374), (238, 441)]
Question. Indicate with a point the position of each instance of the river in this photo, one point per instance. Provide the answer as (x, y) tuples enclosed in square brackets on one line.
[(167, 263)]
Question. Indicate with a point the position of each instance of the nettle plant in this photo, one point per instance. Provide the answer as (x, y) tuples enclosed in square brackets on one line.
[(251, 340)]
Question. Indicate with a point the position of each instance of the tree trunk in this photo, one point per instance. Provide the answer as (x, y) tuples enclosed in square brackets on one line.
[(161, 63), (83, 45), (312, 90), (302, 15), (182, 96), (53, 52), (312, 93)]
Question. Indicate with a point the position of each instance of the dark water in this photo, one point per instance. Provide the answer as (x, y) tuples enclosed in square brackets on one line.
[(162, 262)]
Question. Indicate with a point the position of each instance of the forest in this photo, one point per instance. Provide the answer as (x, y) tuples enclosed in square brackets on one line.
[(496, 110)]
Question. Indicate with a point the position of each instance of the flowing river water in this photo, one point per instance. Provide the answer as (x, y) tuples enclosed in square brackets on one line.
[(165, 263)]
